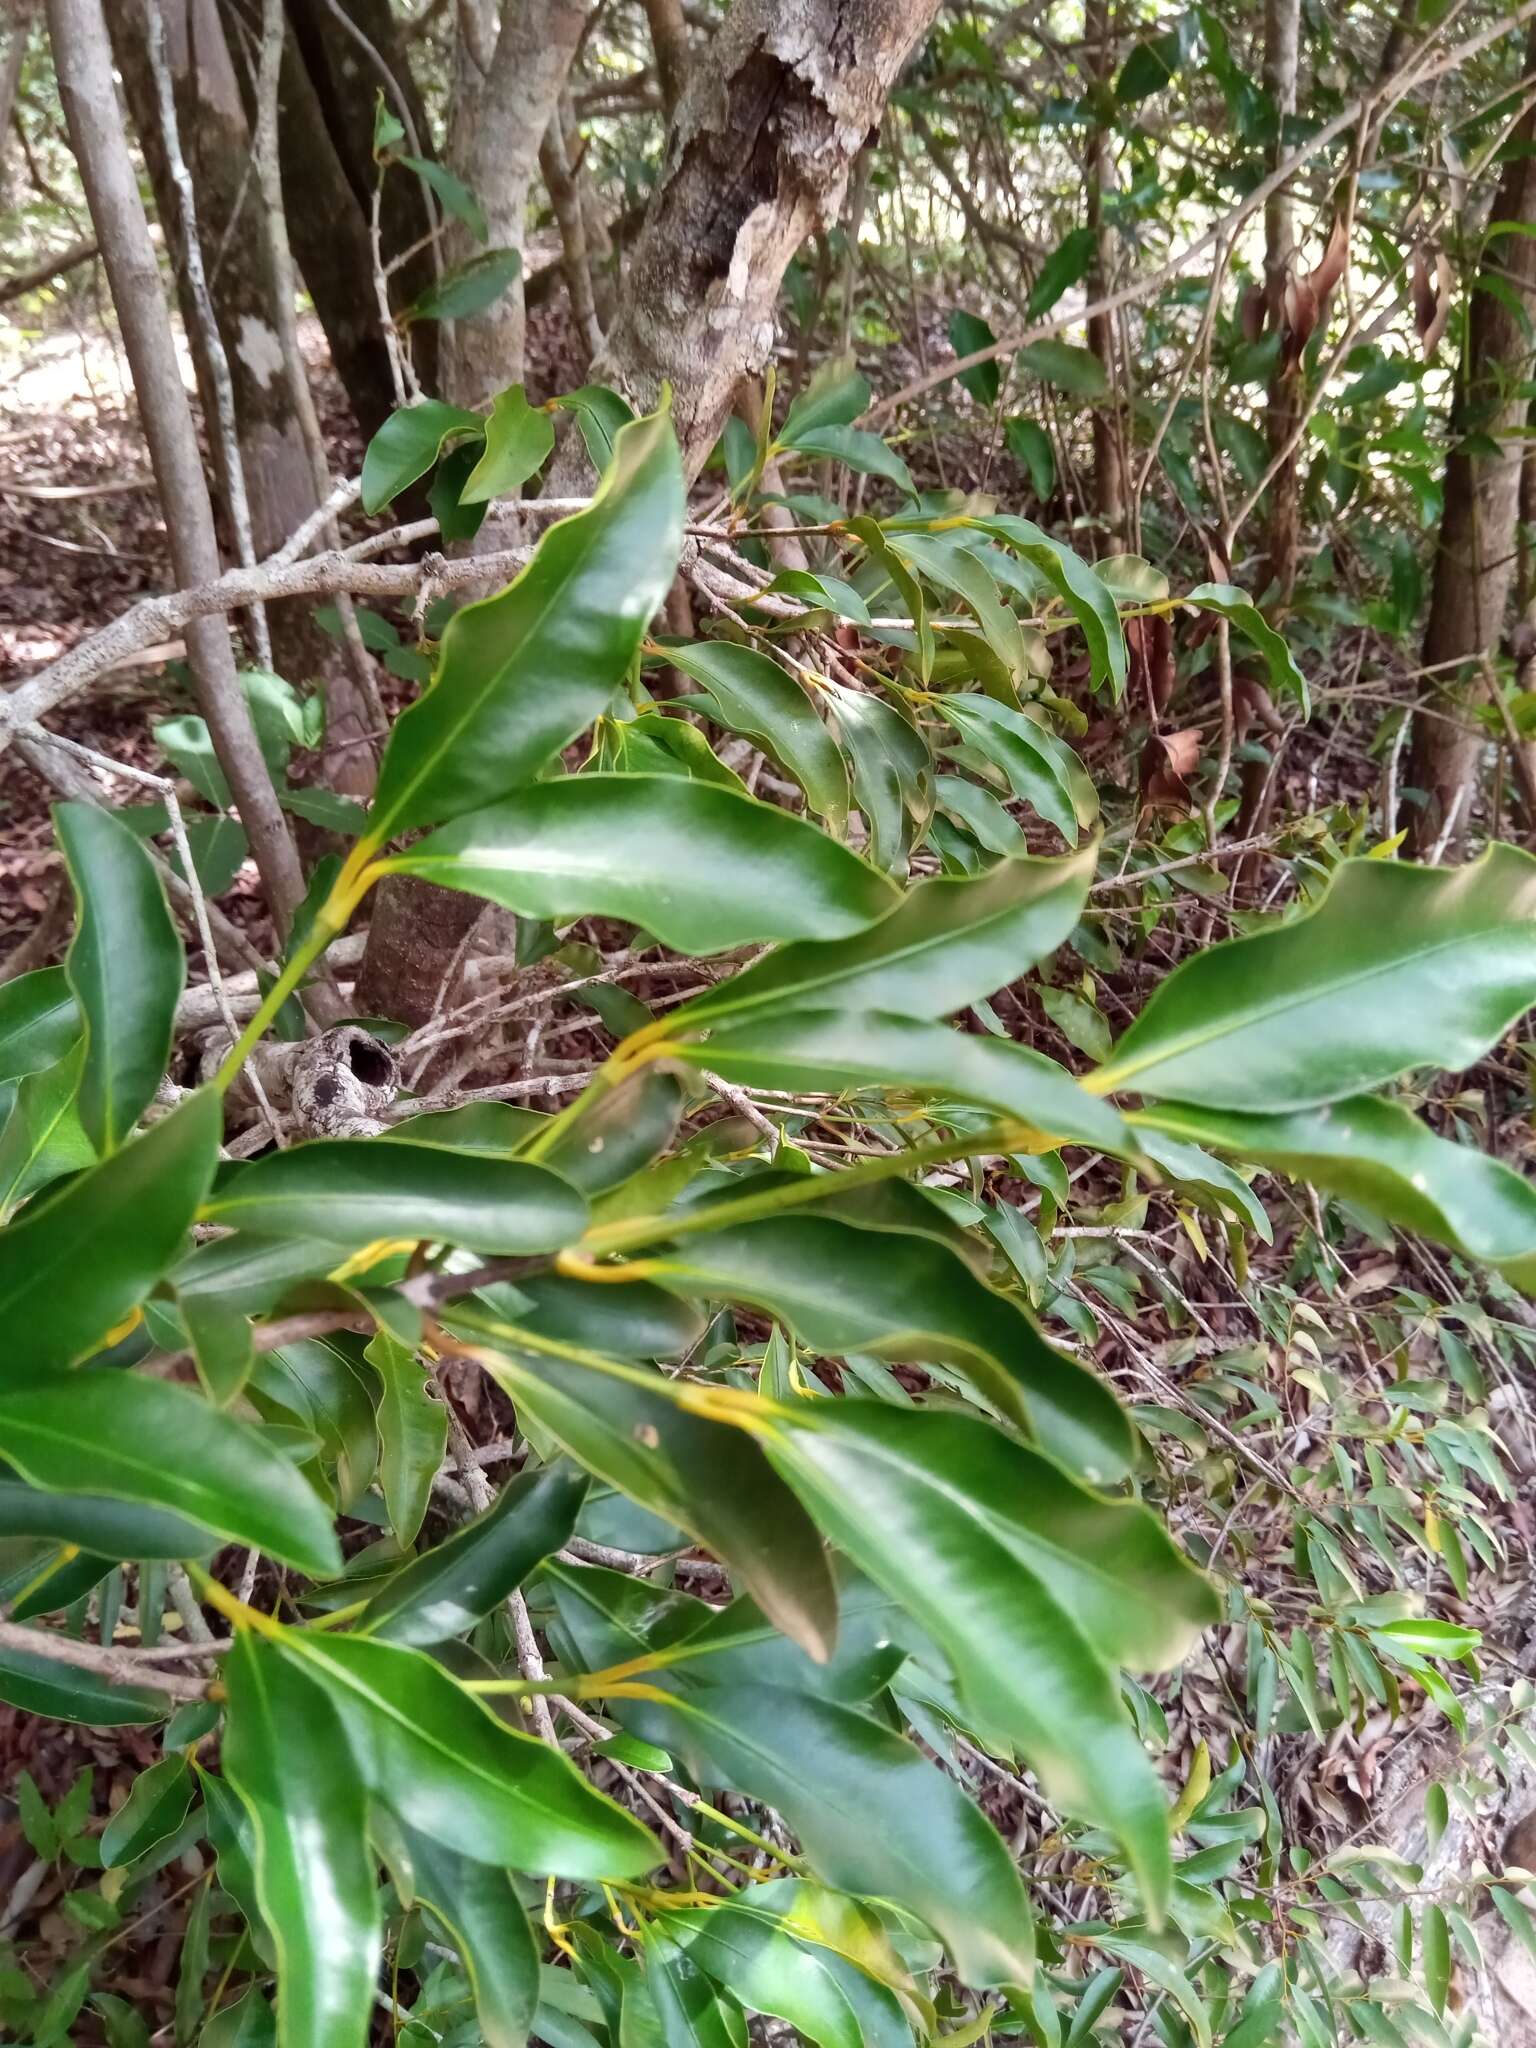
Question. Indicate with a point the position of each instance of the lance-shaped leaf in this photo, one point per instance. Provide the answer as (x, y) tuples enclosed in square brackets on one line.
[(1034, 1586), (125, 965), (77, 1261), (872, 1813), (892, 772), (449, 1768), (156, 1444), (350, 1194), (485, 1921), (951, 567), (446, 1591), (408, 444), (826, 1051), (633, 1429), (1040, 768), (794, 1950), (688, 2007), (413, 1428), (1239, 608), (1085, 594), (1379, 1154), (748, 693), (288, 1758), (699, 867), (110, 1528), (1206, 1181), (522, 673), (38, 1022), (947, 943), (1397, 967), (843, 1289), (43, 1136), (154, 1809), (37, 1684)]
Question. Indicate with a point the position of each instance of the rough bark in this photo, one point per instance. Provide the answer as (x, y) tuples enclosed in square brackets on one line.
[(508, 78), (83, 59), (757, 159), (1475, 560), (274, 457), (1282, 43), (1109, 467)]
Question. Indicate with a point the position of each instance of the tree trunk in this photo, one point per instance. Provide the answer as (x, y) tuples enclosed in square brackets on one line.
[(509, 73), (757, 159), (83, 59), (507, 86), (1282, 45), (1109, 480), (1475, 561), (278, 472), (327, 220), (669, 41)]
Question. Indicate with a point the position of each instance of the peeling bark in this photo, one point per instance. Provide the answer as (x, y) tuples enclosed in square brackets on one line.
[(758, 158)]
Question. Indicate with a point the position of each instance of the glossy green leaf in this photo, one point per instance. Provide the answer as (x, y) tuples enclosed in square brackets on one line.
[(518, 441), (38, 1022), (287, 1757), (156, 1444), (706, 1476), (1382, 1155), (690, 2011), (1034, 1586), (1206, 1181), (456, 196), (36, 1684), (522, 673), (1030, 444), (903, 582), (406, 447), (156, 1806), (792, 1950), (753, 695), (843, 1289), (125, 965), (950, 565), (484, 1919), (601, 416), (43, 1136), (699, 867), (451, 1769), (349, 1194), (470, 288), (1083, 592), (873, 1814), (133, 1210), (1072, 369), (1238, 607), (835, 397), (445, 1592), (413, 1429), (1397, 967), (1066, 266), (892, 773), (1040, 768), (111, 1528), (947, 943), (864, 452), (968, 332), (825, 1051), (1435, 1955)]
